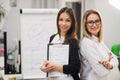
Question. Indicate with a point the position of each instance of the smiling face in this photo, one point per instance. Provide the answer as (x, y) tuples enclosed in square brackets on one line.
[(93, 24), (64, 23)]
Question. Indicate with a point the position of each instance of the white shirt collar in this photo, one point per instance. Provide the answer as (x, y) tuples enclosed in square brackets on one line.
[(94, 38), (58, 39)]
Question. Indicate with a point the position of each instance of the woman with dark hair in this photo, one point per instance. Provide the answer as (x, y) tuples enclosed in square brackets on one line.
[(67, 33)]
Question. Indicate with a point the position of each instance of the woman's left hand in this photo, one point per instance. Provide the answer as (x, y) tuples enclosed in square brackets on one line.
[(106, 64), (47, 66)]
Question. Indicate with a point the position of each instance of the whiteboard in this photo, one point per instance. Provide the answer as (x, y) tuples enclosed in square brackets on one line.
[(37, 25)]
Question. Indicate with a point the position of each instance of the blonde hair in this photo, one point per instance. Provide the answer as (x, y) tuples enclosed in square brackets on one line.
[(86, 33)]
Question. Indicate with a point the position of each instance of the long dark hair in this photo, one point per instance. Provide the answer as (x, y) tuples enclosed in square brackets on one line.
[(72, 32)]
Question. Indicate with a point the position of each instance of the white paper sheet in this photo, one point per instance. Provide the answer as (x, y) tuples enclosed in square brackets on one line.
[(58, 54)]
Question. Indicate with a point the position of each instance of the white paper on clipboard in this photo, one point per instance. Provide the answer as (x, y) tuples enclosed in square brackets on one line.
[(58, 54)]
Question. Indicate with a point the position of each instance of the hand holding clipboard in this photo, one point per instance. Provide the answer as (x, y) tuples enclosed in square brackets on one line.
[(57, 56)]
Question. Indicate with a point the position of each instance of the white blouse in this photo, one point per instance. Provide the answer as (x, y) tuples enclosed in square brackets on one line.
[(58, 39), (92, 51)]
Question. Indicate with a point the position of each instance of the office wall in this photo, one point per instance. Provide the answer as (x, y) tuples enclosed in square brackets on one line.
[(11, 23), (109, 14), (111, 18)]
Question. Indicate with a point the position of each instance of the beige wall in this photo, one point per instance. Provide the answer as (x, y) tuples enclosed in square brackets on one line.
[(111, 18)]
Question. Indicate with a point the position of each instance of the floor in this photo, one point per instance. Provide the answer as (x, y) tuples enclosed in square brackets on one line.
[(114, 75)]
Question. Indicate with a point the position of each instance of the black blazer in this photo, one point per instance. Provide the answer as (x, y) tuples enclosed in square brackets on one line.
[(73, 67)]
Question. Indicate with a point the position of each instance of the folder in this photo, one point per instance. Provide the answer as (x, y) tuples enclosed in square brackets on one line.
[(57, 54)]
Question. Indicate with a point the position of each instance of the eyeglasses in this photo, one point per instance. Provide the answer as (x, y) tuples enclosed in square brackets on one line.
[(91, 23)]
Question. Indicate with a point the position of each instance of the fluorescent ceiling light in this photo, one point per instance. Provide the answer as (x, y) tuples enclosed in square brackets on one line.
[(115, 3)]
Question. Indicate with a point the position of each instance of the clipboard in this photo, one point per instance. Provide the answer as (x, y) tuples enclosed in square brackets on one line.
[(58, 54)]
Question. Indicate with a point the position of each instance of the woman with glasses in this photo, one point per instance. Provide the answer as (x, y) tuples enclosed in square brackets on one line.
[(97, 59)]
